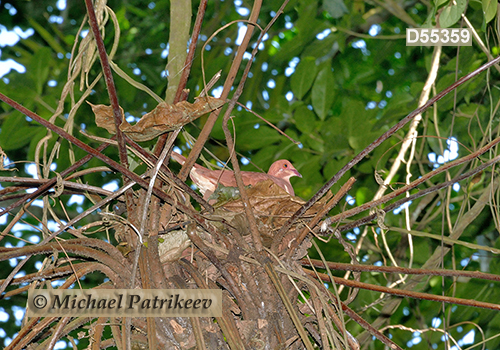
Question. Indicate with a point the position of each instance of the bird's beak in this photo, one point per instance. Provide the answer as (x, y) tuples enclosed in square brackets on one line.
[(296, 173)]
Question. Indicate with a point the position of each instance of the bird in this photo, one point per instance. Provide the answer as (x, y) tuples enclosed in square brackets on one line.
[(280, 173)]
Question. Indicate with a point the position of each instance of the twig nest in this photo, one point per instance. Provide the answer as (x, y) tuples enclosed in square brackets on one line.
[(272, 207)]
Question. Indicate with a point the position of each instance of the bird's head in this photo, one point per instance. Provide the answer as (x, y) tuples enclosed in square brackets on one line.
[(283, 169)]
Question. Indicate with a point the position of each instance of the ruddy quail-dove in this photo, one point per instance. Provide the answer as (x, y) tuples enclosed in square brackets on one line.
[(280, 173)]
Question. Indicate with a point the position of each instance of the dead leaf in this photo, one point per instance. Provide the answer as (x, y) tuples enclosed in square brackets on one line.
[(165, 117)]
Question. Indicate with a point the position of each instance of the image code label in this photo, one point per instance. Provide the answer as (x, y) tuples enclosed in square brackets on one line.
[(438, 36)]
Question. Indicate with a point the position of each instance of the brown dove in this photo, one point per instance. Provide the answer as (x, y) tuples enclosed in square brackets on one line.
[(280, 173)]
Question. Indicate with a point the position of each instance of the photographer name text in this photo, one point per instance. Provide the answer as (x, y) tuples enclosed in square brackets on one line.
[(126, 302)]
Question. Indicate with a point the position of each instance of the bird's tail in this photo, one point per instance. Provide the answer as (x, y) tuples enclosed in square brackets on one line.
[(179, 158)]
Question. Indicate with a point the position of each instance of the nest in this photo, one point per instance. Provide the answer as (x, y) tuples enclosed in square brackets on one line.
[(272, 207)]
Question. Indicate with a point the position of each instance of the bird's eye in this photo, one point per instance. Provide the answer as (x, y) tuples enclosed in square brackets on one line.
[(285, 165)]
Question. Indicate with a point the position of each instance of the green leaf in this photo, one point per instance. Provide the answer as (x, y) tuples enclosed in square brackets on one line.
[(356, 115), (258, 138), (439, 2), (360, 142), (19, 138), (304, 119), (305, 31), (306, 11), (311, 181), (452, 13), (20, 88), (332, 168), (48, 37), (264, 158), (217, 131), (323, 49), (314, 142), (489, 9), (303, 77), (41, 133), (359, 124), (363, 195), (399, 107), (471, 109), (39, 67), (335, 8), (334, 133), (323, 92), (16, 132)]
